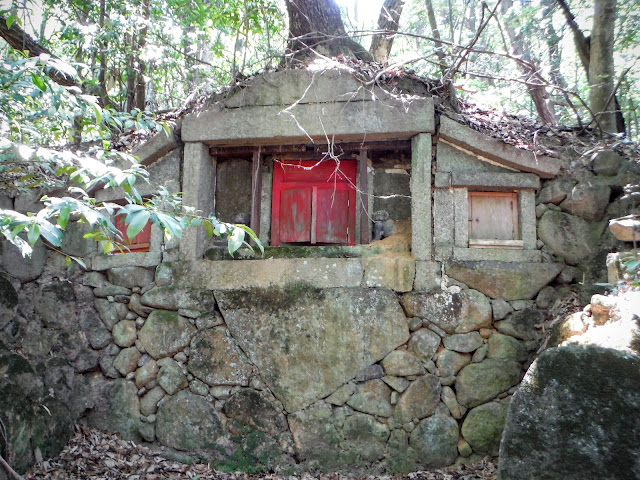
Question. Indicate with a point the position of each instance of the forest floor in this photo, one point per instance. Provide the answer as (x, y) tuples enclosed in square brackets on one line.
[(91, 454)]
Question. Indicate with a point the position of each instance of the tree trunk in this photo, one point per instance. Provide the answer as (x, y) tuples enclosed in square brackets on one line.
[(537, 91), (389, 20), (601, 68), (20, 40), (316, 26), (583, 47), (141, 84), (435, 33)]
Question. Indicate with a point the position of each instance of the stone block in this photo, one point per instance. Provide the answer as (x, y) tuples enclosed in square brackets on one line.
[(452, 158), (263, 125), (309, 342), (509, 281), (606, 162), (135, 259), (394, 273), (443, 217), (496, 255), (496, 181), (392, 192), (428, 276), (496, 150), (281, 272)]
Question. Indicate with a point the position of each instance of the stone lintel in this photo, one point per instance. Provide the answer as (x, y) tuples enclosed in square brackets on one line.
[(421, 196), (496, 150), (491, 181), (340, 122)]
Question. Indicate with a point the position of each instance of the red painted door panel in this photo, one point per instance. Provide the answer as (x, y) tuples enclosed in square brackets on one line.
[(295, 215), (314, 202), (332, 225), (139, 243)]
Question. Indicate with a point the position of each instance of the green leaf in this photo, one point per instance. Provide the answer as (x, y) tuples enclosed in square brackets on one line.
[(38, 82), (10, 20), (98, 112), (136, 222), (51, 233), (208, 228), (67, 260), (33, 234), (235, 240), (63, 218)]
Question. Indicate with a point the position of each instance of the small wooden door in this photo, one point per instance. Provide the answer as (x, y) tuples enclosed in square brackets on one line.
[(314, 202), (493, 216)]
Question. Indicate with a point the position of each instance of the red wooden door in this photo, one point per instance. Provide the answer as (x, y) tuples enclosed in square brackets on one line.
[(314, 202)]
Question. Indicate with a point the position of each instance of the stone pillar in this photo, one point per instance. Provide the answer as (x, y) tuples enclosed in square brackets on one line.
[(421, 238), (527, 201), (199, 189), (265, 204)]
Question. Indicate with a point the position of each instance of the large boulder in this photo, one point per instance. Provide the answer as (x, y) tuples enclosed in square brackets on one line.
[(254, 408), (505, 280), (568, 236), (307, 342), (117, 408), (419, 400), (575, 416), (587, 201)]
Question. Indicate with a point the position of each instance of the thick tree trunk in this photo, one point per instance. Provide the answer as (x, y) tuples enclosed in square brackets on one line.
[(601, 67), (141, 84), (388, 20), (316, 26)]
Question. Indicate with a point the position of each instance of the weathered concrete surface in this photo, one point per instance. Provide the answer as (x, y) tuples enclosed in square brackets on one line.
[(287, 87), (395, 273), (280, 272), (496, 150), (506, 280), (306, 343), (270, 125), (575, 416)]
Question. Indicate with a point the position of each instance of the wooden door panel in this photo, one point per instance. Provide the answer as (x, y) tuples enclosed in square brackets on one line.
[(332, 217), (493, 215), (295, 215)]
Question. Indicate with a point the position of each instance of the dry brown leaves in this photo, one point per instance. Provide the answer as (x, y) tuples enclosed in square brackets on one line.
[(91, 454)]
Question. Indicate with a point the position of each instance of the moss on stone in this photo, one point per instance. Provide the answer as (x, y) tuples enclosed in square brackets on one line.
[(271, 300)]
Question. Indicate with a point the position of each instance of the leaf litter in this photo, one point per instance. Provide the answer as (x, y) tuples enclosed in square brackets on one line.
[(92, 454)]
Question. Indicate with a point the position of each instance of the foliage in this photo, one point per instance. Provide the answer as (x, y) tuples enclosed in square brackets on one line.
[(35, 111)]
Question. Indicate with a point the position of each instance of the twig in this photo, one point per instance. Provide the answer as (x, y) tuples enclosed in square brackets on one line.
[(10, 470)]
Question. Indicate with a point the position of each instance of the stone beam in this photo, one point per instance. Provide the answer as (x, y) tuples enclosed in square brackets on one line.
[(339, 122), (496, 150)]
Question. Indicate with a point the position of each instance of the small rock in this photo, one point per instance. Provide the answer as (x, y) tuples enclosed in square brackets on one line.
[(522, 304), (463, 342), (447, 381), (221, 392), (546, 297), (450, 362), (420, 400), (372, 372), (500, 308), (149, 403), (171, 378), (148, 431), (198, 387), (399, 384), (448, 397), (606, 162), (480, 354), (401, 363), (127, 360), (146, 373), (464, 449), (124, 333), (373, 397), (424, 343)]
